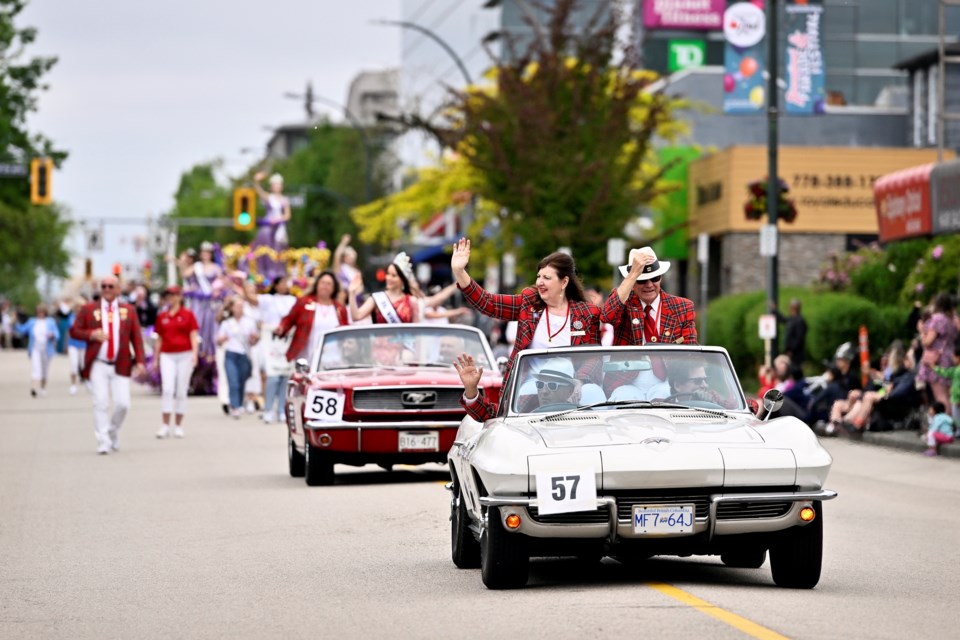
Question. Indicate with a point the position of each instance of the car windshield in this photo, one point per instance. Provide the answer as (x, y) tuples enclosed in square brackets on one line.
[(616, 377), (400, 345)]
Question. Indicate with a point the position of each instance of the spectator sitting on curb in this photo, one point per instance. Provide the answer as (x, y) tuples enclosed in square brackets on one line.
[(941, 429)]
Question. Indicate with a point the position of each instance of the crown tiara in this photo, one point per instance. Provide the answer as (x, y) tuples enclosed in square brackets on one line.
[(403, 263)]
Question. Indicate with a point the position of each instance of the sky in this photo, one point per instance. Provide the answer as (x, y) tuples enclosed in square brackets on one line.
[(143, 91)]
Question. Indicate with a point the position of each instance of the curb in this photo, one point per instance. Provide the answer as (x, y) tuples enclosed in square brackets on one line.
[(908, 441)]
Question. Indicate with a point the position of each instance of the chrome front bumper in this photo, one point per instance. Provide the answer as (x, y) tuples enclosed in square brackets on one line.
[(411, 425), (612, 527)]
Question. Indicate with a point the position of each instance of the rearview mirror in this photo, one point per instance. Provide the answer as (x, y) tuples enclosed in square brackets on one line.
[(771, 402), (502, 364)]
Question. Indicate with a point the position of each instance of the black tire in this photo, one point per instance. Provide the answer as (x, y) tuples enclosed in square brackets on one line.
[(796, 555), (504, 561), (464, 547), (746, 558), (318, 470), (295, 459)]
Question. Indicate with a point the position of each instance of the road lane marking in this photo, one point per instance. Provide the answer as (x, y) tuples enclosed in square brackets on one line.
[(749, 627)]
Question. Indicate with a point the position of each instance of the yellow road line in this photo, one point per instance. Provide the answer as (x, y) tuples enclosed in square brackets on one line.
[(749, 627)]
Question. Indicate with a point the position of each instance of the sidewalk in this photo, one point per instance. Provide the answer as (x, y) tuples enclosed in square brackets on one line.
[(908, 440)]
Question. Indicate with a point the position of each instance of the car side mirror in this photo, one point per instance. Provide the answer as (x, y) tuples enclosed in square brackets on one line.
[(772, 401), (301, 366), (502, 364)]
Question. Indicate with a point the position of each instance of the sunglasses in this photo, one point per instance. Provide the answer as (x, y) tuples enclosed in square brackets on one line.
[(552, 386), (653, 279), (107, 286), (702, 380)]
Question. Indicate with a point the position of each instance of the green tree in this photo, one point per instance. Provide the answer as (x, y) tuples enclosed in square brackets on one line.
[(31, 238), (564, 139), (200, 195)]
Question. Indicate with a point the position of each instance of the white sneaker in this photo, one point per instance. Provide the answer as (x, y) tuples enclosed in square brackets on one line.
[(164, 432), (268, 418), (43, 393), (251, 407), (103, 450), (73, 389), (236, 413), (178, 432)]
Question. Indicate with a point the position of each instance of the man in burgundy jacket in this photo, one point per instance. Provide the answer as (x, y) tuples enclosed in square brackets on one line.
[(112, 333)]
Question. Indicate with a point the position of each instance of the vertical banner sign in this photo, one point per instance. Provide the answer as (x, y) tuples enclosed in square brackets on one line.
[(744, 27), (804, 60)]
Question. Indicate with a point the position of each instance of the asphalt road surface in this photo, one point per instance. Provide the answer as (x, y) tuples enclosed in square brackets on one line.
[(208, 537)]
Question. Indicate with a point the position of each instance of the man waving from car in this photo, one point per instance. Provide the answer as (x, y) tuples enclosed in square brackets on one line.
[(554, 384)]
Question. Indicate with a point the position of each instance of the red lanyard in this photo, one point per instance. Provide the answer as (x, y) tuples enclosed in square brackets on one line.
[(550, 334)]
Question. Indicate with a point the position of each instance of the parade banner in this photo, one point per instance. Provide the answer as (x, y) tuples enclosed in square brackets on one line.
[(804, 94), (688, 15), (744, 28)]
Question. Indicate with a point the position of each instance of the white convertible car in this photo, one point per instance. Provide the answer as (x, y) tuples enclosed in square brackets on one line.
[(633, 452)]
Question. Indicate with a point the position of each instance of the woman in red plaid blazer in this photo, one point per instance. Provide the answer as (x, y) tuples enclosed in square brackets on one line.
[(303, 317), (554, 313)]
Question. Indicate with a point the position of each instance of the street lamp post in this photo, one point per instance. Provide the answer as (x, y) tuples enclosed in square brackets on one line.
[(430, 34), (310, 97)]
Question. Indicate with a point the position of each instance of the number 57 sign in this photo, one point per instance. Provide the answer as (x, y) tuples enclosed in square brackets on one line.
[(565, 483)]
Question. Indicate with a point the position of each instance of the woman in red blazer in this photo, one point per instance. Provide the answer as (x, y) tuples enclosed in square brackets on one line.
[(553, 313), (312, 315)]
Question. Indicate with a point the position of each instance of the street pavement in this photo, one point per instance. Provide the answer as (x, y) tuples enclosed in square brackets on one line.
[(208, 537)]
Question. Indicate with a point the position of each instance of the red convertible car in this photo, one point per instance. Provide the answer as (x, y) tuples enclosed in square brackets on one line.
[(380, 394)]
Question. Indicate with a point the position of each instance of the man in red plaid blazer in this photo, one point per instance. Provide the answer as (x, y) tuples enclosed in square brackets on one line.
[(112, 333), (555, 278), (643, 314)]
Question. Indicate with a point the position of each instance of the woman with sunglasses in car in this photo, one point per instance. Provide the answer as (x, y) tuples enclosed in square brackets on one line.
[(643, 314)]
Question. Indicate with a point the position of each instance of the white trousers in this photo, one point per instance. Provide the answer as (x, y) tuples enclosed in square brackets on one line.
[(75, 355), (105, 384), (39, 364), (175, 371), (254, 384)]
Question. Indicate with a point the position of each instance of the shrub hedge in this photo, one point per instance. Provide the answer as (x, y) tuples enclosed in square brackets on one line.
[(832, 319)]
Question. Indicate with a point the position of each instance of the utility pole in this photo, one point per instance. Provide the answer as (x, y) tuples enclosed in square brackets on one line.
[(773, 181)]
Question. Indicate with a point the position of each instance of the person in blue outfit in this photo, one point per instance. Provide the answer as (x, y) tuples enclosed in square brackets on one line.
[(42, 335)]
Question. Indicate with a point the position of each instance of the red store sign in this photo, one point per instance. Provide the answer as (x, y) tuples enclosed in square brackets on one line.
[(902, 199)]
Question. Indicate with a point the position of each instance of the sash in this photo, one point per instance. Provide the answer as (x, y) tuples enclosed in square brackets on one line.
[(202, 281), (386, 308)]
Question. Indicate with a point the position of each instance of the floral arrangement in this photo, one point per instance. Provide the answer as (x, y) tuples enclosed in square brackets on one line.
[(755, 207)]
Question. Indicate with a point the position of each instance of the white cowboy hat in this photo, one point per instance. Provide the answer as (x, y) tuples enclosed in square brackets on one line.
[(556, 370), (651, 270)]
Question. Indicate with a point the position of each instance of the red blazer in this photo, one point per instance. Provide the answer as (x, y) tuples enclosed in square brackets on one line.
[(89, 319), (300, 319), (584, 317), (677, 319)]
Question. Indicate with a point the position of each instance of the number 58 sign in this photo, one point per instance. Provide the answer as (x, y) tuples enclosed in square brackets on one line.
[(323, 405)]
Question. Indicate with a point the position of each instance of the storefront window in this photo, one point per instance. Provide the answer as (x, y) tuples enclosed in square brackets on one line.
[(878, 16)]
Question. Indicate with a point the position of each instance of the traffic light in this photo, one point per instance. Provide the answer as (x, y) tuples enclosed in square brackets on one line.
[(41, 171), (244, 209)]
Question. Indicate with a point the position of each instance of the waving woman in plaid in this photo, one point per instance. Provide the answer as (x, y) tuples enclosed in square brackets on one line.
[(554, 313)]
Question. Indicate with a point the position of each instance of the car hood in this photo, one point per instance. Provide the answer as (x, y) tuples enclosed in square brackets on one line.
[(621, 427)]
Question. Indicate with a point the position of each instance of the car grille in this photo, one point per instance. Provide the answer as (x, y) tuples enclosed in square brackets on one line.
[(751, 510), (600, 516), (436, 399), (627, 499)]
